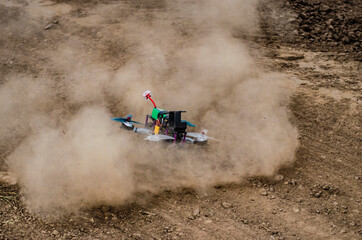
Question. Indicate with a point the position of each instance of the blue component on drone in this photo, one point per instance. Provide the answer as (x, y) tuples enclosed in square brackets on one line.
[(128, 118), (188, 123)]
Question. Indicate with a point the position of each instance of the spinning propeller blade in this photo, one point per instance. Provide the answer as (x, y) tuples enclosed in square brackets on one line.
[(188, 123), (142, 131), (201, 136), (157, 138), (124, 120)]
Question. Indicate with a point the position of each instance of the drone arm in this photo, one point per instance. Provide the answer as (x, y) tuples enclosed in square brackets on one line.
[(152, 101)]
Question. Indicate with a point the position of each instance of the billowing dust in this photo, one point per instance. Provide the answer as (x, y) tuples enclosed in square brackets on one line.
[(68, 154)]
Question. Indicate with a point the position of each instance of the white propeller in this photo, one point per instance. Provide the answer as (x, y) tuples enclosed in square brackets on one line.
[(157, 138), (142, 131), (200, 137)]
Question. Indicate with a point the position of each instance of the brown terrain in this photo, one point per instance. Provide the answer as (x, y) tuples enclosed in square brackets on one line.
[(315, 45)]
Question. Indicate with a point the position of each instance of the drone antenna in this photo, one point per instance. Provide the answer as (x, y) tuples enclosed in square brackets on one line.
[(147, 95)]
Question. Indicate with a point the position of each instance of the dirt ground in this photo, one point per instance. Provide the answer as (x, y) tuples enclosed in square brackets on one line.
[(319, 196)]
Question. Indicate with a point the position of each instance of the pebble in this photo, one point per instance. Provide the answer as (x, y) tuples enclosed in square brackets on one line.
[(55, 233), (244, 221), (148, 213), (264, 193), (209, 214), (196, 212), (291, 20), (278, 177), (296, 210), (49, 26), (226, 205), (134, 235), (317, 194), (293, 182)]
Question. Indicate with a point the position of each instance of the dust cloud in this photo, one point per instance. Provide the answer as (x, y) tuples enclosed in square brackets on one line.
[(70, 155)]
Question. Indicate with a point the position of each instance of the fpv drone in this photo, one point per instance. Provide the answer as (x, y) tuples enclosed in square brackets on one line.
[(165, 126)]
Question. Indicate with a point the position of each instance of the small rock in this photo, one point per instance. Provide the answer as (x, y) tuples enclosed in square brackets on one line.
[(293, 182), (343, 231), (148, 213), (272, 197), (291, 20), (278, 177), (264, 193), (134, 235), (226, 205), (55, 233), (317, 194), (296, 210), (55, 21), (356, 178), (209, 214), (168, 230), (196, 212), (49, 26)]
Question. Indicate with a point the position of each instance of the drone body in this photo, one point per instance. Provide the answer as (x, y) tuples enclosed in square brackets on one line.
[(165, 126)]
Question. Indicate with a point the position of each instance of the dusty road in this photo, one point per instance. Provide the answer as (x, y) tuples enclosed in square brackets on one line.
[(318, 196)]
